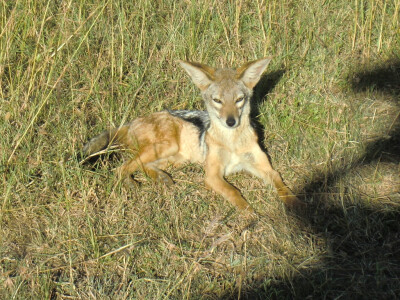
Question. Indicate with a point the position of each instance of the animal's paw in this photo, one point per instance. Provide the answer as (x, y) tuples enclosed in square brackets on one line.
[(165, 178), (130, 183), (247, 211), (292, 202)]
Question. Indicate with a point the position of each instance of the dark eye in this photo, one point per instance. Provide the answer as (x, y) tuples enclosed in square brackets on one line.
[(240, 99), (216, 100)]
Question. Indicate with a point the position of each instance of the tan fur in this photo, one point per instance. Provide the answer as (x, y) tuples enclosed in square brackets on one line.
[(231, 143)]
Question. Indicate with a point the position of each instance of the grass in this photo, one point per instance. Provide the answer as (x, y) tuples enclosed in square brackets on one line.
[(329, 107)]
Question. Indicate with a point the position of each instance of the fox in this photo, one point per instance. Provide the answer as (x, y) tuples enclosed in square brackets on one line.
[(221, 138)]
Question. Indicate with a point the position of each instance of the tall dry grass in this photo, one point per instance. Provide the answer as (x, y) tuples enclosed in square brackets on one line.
[(329, 108)]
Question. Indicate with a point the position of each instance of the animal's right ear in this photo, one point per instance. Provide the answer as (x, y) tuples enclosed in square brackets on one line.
[(201, 75)]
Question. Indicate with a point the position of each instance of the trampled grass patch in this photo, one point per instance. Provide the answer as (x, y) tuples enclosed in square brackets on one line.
[(328, 108)]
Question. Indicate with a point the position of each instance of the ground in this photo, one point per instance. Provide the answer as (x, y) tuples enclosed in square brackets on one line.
[(327, 110)]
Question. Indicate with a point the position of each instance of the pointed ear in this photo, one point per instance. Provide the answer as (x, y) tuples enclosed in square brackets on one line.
[(201, 75), (251, 72)]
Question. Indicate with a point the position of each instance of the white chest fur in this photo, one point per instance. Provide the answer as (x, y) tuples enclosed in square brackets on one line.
[(233, 147), (236, 162)]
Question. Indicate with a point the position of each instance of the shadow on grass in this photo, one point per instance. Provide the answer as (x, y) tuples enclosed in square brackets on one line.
[(363, 255), (385, 78), (266, 84)]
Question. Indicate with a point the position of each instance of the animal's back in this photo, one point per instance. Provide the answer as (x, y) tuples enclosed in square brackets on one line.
[(184, 128)]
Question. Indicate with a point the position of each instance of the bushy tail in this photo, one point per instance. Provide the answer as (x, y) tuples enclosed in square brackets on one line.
[(102, 141)]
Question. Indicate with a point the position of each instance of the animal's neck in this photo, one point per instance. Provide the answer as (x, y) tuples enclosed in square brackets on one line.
[(229, 135)]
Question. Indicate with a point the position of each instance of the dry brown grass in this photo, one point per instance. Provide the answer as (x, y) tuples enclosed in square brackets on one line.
[(329, 108)]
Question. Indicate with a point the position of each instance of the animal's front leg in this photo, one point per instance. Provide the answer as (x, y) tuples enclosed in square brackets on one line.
[(215, 181), (261, 167)]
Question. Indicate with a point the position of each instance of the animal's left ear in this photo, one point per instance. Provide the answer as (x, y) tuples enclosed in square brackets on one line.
[(251, 72)]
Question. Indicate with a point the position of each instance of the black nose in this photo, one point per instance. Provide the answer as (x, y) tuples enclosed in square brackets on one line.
[(230, 122)]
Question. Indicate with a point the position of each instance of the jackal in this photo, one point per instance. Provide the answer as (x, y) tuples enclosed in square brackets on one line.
[(222, 137)]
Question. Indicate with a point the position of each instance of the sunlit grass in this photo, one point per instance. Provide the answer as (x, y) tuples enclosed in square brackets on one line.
[(70, 69)]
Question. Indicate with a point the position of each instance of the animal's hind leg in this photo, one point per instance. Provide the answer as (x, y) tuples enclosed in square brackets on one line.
[(150, 159), (153, 171)]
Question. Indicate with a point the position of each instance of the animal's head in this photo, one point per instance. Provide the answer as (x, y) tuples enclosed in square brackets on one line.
[(226, 92)]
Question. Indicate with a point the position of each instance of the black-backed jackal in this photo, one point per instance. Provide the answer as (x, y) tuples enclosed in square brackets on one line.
[(221, 137)]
